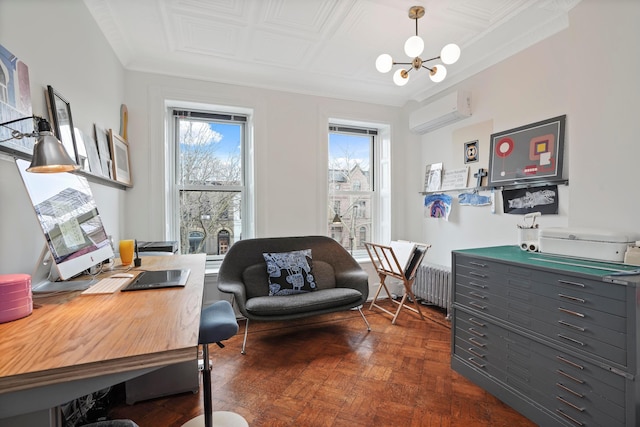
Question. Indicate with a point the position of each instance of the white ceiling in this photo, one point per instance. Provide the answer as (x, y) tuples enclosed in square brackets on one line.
[(320, 47)]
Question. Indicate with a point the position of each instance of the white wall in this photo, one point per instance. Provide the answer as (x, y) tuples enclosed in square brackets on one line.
[(290, 141), (588, 72), (561, 75), (62, 46)]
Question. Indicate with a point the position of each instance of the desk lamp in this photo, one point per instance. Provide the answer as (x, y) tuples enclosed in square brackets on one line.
[(49, 155)]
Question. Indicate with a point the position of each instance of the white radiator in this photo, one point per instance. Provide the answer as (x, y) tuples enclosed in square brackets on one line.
[(433, 285)]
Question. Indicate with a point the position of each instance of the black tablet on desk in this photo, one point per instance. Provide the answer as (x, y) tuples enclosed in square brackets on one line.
[(159, 279), (168, 246)]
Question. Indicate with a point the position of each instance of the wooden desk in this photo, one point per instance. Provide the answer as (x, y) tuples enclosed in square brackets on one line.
[(74, 344)]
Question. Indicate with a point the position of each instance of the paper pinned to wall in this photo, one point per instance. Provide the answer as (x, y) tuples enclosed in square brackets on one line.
[(437, 206)]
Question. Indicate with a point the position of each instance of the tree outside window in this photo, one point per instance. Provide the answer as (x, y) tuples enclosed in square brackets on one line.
[(210, 181)]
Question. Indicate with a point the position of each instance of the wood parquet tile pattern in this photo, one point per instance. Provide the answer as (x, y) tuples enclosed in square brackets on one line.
[(329, 371)]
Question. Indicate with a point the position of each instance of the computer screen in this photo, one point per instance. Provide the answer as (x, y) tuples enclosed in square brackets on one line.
[(69, 219)]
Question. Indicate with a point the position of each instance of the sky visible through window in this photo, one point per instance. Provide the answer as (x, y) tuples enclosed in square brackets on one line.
[(227, 138), (354, 147)]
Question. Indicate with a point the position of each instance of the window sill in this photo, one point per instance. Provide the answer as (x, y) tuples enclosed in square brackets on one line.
[(213, 267)]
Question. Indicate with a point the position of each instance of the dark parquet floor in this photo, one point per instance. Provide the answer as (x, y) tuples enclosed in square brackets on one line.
[(329, 371)]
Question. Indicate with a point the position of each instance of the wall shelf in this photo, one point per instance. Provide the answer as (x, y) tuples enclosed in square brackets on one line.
[(12, 153), (102, 180), (515, 186)]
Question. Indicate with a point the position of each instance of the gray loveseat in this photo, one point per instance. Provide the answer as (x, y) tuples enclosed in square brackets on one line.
[(341, 284)]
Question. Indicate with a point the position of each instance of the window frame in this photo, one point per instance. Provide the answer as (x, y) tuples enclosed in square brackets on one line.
[(379, 186), (211, 113)]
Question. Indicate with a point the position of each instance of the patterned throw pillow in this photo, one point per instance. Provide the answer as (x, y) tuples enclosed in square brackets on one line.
[(289, 272)]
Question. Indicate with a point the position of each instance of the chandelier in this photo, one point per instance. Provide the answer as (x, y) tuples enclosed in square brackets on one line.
[(413, 47)]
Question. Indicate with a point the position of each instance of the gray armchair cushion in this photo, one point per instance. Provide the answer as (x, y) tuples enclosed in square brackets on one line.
[(302, 303)]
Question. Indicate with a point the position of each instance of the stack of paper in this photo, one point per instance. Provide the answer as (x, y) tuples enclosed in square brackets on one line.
[(403, 251)]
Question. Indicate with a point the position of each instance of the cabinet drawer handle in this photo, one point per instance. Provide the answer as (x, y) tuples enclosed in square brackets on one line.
[(571, 312), (566, 402), (569, 297), (579, 328), (565, 388), (474, 332), (477, 264), (481, 307), (474, 342), (564, 337), (473, 273), (569, 362), (571, 377), (477, 285), (475, 353), (477, 323), (566, 282), (569, 417), (478, 364), (473, 294)]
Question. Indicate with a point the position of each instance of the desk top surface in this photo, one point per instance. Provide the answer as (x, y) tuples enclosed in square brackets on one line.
[(72, 336)]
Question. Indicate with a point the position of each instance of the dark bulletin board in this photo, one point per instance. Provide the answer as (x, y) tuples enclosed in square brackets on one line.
[(527, 154)]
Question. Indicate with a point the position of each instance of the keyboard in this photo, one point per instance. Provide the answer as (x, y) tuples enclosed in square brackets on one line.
[(108, 285)]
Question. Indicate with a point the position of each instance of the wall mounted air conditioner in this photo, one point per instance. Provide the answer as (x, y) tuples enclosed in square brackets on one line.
[(446, 110)]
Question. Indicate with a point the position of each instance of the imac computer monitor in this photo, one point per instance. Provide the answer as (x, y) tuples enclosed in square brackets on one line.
[(69, 219)]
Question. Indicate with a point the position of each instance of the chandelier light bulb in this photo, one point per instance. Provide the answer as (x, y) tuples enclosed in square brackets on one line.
[(450, 53), (438, 74), (400, 77), (384, 63), (413, 46)]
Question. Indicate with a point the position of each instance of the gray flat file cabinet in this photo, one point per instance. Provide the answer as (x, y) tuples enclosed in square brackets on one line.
[(555, 338)]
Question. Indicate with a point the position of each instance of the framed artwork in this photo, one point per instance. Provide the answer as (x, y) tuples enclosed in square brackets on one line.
[(471, 151), (531, 153), (433, 177), (15, 103), (121, 164), (520, 201), (82, 149), (62, 123), (104, 152), (91, 149)]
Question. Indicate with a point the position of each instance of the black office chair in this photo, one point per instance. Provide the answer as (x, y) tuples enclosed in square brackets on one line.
[(217, 323)]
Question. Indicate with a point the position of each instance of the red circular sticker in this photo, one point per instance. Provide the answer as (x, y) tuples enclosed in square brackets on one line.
[(504, 147)]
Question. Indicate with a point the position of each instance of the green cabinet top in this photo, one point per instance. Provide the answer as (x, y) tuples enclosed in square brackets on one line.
[(548, 261)]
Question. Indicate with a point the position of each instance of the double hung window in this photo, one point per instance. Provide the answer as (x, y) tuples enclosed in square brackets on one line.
[(210, 180), (354, 192)]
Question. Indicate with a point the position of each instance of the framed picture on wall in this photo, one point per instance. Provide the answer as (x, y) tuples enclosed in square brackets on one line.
[(62, 123), (121, 164), (527, 154), (15, 103)]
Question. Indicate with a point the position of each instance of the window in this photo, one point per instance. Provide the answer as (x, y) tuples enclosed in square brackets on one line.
[(354, 193), (4, 93), (210, 180)]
